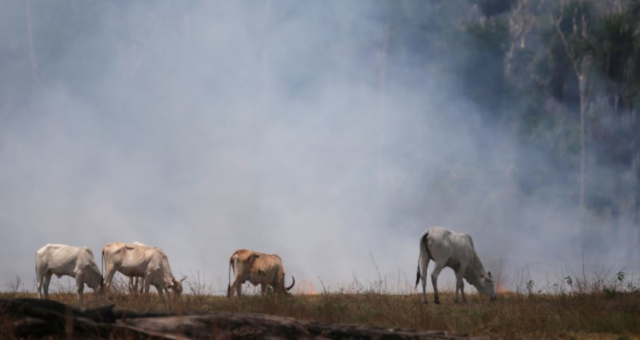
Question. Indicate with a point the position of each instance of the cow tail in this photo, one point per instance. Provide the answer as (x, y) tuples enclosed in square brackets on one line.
[(229, 285), (423, 245), (418, 273), (102, 263)]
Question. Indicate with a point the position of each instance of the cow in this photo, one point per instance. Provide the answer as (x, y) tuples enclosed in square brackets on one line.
[(259, 269), (454, 250), (60, 259), (136, 260), (136, 283)]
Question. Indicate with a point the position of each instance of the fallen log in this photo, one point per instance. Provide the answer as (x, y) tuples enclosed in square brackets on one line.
[(34, 318)]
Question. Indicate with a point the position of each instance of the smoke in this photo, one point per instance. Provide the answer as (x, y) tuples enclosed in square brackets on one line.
[(289, 128)]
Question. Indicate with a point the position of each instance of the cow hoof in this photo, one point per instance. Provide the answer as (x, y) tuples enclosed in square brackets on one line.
[(437, 302)]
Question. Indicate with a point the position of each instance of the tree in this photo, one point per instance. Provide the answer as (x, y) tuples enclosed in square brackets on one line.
[(614, 48), (492, 8), (571, 25), (482, 69)]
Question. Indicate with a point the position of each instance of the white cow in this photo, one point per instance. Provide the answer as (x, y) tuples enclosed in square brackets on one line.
[(454, 250), (259, 269), (60, 259), (136, 260)]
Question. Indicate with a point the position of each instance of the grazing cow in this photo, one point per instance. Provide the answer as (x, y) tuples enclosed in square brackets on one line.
[(454, 250), (62, 260), (259, 269), (136, 260)]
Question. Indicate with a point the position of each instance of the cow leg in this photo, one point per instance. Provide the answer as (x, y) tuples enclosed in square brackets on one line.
[(434, 281), (160, 289), (424, 265), (138, 285), (47, 280), (464, 298), (460, 284), (111, 271), (147, 283), (236, 286), (39, 283), (79, 286), (133, 285)]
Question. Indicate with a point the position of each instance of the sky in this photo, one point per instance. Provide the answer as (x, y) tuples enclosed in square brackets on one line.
[(206, 127)]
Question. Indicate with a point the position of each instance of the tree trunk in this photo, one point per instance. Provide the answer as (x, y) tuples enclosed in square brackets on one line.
[(583, 155), (383, 73)]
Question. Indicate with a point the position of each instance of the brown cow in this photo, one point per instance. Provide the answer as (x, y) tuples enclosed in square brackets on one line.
[(259, 269)]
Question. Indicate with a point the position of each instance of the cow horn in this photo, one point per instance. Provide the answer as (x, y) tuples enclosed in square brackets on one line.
[(183, 278), (292, 283)]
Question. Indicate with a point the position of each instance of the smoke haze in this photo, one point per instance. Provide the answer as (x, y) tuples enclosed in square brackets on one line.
[(277, 126)]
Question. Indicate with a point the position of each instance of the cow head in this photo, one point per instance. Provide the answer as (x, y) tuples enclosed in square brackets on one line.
[(93, 279), (176, 286), (486, 286), (100, 289)]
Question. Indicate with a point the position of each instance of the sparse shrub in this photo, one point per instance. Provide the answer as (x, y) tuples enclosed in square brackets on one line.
[(609, 293), (569, 281), (530, 285), (14, 287), (198, 286), (620, 277)]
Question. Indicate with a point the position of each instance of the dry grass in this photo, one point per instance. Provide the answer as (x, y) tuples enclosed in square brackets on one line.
[(606, 314), (604, 306)]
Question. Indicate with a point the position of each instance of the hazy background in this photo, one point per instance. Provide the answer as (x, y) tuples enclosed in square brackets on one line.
[(297, 128)]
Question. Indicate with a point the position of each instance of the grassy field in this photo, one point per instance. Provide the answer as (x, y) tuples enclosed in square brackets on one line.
[(605, 314)]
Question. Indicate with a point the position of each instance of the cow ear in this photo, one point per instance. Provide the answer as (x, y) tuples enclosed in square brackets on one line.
[(489, 274)]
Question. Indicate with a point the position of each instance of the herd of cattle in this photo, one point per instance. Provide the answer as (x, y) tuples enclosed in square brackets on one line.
[(150, 265)]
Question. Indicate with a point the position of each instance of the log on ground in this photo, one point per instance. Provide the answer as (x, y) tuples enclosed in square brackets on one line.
[(34, 318)]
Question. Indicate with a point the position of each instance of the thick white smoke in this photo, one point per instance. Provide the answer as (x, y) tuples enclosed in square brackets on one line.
[(204, 127)]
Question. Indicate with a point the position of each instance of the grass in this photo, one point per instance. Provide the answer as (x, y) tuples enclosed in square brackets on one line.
[(602, 312), (512, 315)]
